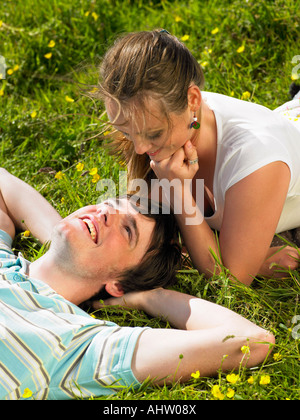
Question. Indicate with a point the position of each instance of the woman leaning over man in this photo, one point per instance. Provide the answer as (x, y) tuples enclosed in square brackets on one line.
[(247, 155)]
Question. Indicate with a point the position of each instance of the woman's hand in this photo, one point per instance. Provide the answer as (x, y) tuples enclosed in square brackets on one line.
[(177, 166), (280, 258)]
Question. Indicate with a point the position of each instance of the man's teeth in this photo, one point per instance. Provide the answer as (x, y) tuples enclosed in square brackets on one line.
[(91, 228)]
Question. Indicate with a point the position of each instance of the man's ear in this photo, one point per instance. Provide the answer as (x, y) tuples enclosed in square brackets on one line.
[(114, 288)]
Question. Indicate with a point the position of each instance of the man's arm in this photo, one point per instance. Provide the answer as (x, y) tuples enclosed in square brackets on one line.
[(22, 207), (208, 337)]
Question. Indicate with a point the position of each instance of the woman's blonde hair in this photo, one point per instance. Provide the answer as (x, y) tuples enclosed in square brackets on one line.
[(152, 63)]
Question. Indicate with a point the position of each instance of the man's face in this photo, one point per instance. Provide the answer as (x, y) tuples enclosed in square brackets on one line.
[(102, 239)]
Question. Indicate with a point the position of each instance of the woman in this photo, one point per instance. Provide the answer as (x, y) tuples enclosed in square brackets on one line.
[(247, 155)]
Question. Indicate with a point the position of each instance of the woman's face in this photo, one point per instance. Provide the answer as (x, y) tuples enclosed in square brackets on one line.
[(150, 131)]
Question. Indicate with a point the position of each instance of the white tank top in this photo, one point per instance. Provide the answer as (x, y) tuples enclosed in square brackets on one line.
[(250, 136)]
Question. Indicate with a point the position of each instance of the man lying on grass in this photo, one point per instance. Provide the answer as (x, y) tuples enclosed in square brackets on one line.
[(48, 345)]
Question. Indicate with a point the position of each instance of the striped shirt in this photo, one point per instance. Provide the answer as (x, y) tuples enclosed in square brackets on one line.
[(50, 346)]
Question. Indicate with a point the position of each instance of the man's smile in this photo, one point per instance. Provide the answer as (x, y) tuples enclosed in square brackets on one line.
[(92, 226)]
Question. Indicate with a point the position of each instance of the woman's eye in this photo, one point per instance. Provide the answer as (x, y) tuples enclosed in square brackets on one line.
[(154, 136)]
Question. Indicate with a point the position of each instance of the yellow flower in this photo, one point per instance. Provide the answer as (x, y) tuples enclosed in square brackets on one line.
[(232, 378), (51, 44), (215, 31), (59, 175), (10, 72), (178, 19), (62, 200), (48, 55), (185, 37), (204, 63), (95, 16), (264, 380), (246, 95), (241, 49), (277, 357), (216, 392), (26, 234), (95, 178), (1, 92), (250, 380), (27, 393), (1, 23), (93, 171), (245, 349), (295, 76), (79, 166), (195, 375), (16, 67), (230, 393), (69, 99), (87, 13), (33, 114)]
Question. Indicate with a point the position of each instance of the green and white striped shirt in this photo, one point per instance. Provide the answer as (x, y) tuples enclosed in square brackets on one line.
[(50, 346)]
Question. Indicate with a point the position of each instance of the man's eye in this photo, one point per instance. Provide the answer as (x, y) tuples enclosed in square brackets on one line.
[(128, 231)]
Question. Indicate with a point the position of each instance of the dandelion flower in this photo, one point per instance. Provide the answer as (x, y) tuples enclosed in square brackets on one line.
[(93, 171), (80, 166), (216, 392), (185, 37), (51, 44), (1, 92), (95, 16), (59, 175), (48, 55), (195, 375), (69, 99), (178, 19), (33, 114), (250, 380), (95, 178), (215, 31), (10, 72), (241, 49), (277, 357), (264, 380), (232, 378), (27, 393), (230, 393), (1, 23), (246, 95), (245, 349), (26, 234)]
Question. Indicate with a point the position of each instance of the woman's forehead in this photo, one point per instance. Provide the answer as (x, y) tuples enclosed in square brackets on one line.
[(134, 113)]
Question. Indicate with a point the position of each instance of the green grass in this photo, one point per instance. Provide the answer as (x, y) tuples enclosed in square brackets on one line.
[(42, 133)]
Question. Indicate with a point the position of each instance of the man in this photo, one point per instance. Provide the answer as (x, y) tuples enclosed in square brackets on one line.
[(54, 350)]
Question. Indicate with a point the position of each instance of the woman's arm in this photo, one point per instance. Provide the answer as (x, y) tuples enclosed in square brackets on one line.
[(208, 336), (251, 213), (22, 207)]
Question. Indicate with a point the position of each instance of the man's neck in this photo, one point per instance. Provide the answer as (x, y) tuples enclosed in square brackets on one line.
[(45, 270)]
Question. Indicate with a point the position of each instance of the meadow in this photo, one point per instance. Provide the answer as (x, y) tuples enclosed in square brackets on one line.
[(52, 135)]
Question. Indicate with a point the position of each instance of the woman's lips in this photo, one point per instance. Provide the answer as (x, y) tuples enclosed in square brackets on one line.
[(152, 154)]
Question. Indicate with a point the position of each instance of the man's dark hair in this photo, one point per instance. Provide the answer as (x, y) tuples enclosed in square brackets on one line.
[(158, 266)]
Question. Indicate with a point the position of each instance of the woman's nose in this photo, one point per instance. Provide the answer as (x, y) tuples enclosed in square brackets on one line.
[(141, 146)]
